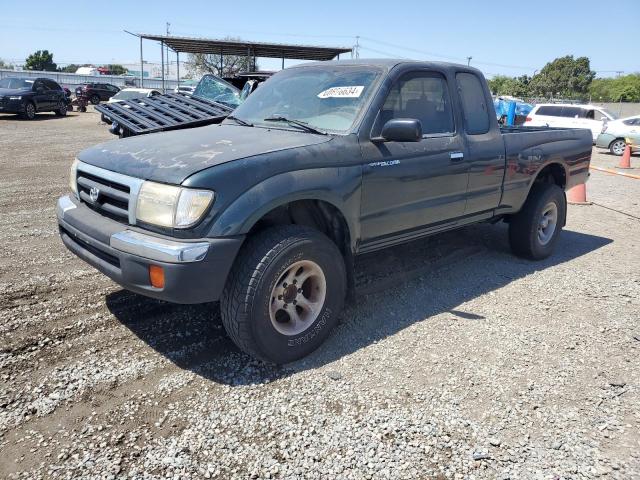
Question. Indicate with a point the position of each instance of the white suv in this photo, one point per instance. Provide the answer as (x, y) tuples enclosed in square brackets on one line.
[(569, 116)]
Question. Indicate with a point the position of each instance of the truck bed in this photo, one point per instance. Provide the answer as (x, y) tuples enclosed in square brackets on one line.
[(529, 149)]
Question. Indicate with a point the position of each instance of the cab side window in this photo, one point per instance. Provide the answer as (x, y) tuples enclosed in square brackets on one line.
[(474, 104), (422, 96), (51, 85)]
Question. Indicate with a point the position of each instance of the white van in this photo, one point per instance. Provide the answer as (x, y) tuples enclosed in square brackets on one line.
[(569, 116)]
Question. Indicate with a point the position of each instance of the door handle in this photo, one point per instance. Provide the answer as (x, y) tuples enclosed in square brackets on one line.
[(456, 156)]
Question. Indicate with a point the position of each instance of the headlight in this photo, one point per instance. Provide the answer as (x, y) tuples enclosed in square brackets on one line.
[(171, 206), (73, 184), (16, 97)]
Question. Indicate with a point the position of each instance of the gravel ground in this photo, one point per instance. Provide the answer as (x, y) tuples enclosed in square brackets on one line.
[(457, 360)]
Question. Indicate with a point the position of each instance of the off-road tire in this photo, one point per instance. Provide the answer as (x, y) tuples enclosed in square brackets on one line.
[(247, 295), (523, 227)]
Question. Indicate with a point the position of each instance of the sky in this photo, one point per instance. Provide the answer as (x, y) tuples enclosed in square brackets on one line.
[(502, 37)]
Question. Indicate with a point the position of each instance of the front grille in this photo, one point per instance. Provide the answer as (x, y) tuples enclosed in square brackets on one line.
[(113, 197)]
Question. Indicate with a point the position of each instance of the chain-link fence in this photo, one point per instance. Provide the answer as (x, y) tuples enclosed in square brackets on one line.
[(71, 80)]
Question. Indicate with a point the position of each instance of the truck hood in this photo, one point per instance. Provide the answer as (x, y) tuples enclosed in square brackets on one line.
[(171, 157)]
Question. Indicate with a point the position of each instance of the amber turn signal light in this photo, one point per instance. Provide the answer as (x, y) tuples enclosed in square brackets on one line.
[(156, 276)]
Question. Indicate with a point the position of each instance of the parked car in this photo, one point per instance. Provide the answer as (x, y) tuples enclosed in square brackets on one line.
[(97, 92), (569, 116), (129, 94), (323, 162), (615, 133), (29, 96), (188, 89)]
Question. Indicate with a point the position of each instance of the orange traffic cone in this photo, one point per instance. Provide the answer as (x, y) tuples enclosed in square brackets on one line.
[(578, 195), (625, 160)]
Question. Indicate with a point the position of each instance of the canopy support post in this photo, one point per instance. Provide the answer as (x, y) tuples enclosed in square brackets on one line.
[(162, 56), (141, 66), (178, 69)]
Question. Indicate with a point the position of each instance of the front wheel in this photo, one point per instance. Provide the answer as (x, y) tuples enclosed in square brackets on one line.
[(617, 146), (29, 111), (534, 231), (95, 99), (284, 293)]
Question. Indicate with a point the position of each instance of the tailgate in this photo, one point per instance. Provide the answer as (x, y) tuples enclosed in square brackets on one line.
[(164, 112)]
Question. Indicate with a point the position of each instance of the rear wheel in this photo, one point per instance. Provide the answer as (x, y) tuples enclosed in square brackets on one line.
[(284, 293), (61, 111), (534, 231), (29, 111), (617, 146)]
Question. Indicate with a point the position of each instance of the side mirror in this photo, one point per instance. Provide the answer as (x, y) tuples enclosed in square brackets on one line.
[(402, 130), (40, 89)]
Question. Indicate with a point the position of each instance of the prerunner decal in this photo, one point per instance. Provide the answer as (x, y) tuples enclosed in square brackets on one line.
[(342, 92)]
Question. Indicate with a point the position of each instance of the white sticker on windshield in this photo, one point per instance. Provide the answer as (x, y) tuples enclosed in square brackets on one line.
[(342, 92)]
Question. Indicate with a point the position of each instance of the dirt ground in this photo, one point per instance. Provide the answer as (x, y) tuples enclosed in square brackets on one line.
[(457, 359)]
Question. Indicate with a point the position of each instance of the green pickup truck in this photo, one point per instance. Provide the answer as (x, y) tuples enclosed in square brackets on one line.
[(267, 210)]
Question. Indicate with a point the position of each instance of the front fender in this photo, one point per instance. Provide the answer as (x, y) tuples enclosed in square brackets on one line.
[(338, 186)]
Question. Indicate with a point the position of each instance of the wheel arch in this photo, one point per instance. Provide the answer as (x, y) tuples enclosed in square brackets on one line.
[(553, 172), (615, 140), (333, 192)]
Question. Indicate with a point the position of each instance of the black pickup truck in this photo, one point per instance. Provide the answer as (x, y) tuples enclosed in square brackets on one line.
[(325, 161)]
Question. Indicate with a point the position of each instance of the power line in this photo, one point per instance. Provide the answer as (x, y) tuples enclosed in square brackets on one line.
[(433, 54), (380, 52)]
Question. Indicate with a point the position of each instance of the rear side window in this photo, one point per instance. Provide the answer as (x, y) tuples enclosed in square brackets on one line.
[(52, 85), (572, 112), (550, 111), (474, 104)]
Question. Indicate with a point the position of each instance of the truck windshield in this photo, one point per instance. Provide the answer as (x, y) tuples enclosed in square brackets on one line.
[(327, 98)]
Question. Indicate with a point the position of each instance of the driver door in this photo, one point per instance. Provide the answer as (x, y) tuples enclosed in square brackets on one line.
[(409, 188)]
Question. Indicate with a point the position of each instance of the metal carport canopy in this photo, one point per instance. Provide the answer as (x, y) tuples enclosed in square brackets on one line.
[(254, 49)]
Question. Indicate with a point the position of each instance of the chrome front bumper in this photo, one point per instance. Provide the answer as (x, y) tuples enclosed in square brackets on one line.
[(195, 271), (146, 246)]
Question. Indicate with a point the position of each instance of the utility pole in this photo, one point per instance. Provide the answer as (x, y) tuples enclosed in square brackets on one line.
[(619, 73), (356, 47), (168, 25), (469, 61)]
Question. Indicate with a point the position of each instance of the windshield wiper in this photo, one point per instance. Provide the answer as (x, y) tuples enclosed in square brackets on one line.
[(244, 123), (298, 123)]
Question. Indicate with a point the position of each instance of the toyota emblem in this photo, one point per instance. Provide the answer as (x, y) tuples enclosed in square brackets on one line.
[(94, 194)]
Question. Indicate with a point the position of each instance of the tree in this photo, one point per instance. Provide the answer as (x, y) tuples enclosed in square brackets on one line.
[(566, 76), (71, 68), (516, 87), (202, 63), (40, 60), (625, 88), (116, 69), (5, 65)]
